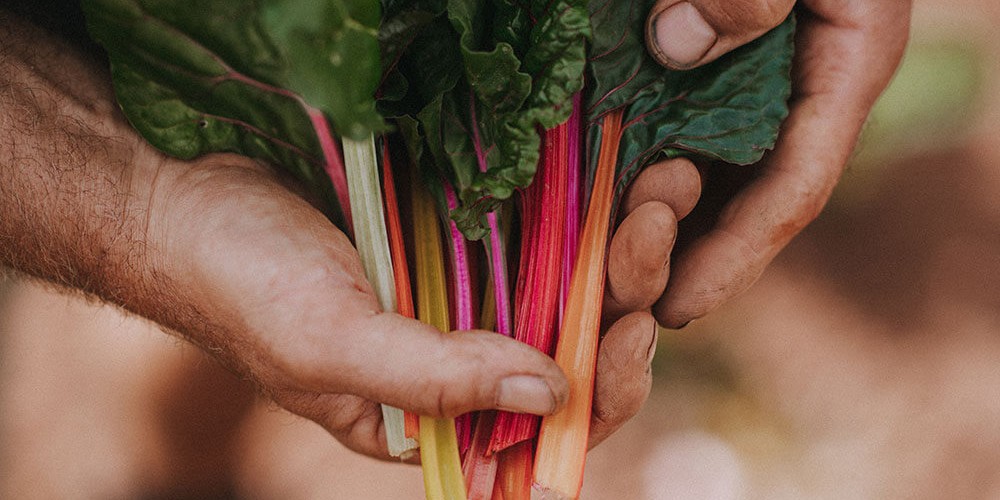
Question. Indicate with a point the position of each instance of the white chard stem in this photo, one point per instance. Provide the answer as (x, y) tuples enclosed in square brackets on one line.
[(372, 241)]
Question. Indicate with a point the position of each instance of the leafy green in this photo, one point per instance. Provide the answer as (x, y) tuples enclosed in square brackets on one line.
[(199, 76), (406, 24), (729, 110), (429, 66), (477, 80), (520, 65)]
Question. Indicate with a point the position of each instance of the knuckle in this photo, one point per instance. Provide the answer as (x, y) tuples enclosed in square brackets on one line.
[(675, 182), (751, 16), (446, 404)]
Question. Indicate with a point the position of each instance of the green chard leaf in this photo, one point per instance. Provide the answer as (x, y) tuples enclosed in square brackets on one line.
[(428, 66), (200, 76), (519, 66), (408, 23), (729, 110)]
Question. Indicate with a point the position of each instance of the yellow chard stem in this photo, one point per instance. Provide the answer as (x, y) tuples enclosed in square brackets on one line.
[(439, 458)]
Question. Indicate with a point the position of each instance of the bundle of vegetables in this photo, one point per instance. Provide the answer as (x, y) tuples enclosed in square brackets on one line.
[(500, 121)]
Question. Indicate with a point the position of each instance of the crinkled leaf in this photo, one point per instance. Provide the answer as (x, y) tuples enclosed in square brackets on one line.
[(521, 64), (402, 22), (203, 76), (729, 110), (428, 66), (406, 23)]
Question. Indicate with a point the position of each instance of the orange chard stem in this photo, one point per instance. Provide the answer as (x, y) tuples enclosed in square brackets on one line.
[(562, 440), (400, 269)]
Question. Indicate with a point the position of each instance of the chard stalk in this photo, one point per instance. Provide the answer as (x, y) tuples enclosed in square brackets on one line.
[(571, 239), (438, 442), (480, 465), (332, 162), (462, 288), (514, 474), (400, 268), (495, 248), (372, 242), (543, 207), (562, 440)]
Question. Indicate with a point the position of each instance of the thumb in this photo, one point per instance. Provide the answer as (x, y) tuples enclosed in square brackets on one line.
[(686, 34), (413, 366)]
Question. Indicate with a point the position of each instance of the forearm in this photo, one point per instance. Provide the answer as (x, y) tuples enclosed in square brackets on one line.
[(67, 211), (78, 185), (87, 204)]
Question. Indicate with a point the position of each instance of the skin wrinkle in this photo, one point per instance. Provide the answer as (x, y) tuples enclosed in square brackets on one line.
[(733, 18), (653, 226)]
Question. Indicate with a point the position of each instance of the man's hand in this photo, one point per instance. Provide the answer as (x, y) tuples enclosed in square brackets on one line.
[(846, 52), (285, 302)]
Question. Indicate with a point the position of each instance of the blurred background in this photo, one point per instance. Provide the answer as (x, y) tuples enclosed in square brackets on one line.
[(864, 364)]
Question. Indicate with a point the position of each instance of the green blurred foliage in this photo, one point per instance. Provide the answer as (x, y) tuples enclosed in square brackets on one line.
[(693, 356), (928, 105)]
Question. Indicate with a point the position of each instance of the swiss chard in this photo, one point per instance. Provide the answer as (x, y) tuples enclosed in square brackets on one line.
[(543, 206), (521, 65), (439, 457), (479, 91), (562, 440)]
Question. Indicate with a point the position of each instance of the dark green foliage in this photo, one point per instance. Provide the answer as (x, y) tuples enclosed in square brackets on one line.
[(729, 110)]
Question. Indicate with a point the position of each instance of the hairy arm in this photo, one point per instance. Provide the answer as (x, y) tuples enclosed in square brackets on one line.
[(70, 212), (77, 184)]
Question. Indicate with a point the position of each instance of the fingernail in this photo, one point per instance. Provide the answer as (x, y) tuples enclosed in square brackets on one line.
[(526, 394), (681, 35)]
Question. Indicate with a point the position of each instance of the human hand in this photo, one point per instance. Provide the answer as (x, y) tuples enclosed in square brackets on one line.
[(288, 306), (845, 54)]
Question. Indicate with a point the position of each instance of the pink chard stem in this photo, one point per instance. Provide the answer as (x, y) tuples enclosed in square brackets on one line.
[(571, 230), (333, 163), (544, 209), (480, 465), (495, 247), (464, 311)]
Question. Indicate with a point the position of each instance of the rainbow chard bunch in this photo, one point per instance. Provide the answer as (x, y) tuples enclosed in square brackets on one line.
[(500, 134)]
